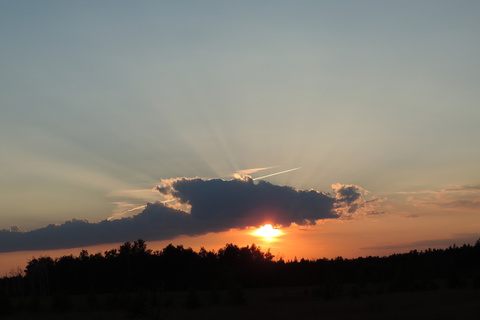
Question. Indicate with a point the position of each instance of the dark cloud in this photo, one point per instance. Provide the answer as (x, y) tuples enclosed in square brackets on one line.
[(157, 221), (346, 193), (240, 203), (215, 205)]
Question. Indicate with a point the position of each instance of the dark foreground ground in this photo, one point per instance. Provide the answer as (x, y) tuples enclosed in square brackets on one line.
[(265, 303)]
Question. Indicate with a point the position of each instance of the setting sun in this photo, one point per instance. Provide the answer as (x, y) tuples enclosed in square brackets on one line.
[(267, 232)]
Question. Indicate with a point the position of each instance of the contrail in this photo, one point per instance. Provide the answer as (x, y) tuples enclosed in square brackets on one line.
[(129, 210), (250, 171), (144, 206), (274, 174), (121, 214)]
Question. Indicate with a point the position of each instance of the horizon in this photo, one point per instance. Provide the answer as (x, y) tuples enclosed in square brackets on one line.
[(10, 265)]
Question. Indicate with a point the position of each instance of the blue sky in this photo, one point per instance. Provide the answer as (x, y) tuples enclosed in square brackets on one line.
[(100, 101)]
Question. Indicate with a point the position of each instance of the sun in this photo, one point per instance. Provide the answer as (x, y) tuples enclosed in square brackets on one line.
[(267, 232)]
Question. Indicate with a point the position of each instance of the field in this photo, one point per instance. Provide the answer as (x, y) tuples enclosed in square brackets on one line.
[(264, 303)]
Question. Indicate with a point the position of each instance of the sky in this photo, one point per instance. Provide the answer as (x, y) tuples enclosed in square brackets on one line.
[(352, 126)]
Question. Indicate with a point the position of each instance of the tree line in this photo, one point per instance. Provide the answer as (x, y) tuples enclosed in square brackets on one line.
[(134, 267)]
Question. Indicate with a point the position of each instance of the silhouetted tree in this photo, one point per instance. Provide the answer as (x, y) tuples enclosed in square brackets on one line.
[(134, 268)]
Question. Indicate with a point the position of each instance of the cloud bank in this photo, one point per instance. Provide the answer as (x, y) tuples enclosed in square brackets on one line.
[(201, 206), (459, 198)]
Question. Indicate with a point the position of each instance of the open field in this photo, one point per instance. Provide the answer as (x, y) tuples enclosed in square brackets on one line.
[(265, 303)]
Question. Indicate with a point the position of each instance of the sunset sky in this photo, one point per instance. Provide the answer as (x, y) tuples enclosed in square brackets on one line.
[(362, 117)]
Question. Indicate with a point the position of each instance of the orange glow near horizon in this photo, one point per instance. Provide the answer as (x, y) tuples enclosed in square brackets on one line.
[(267, 232)]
